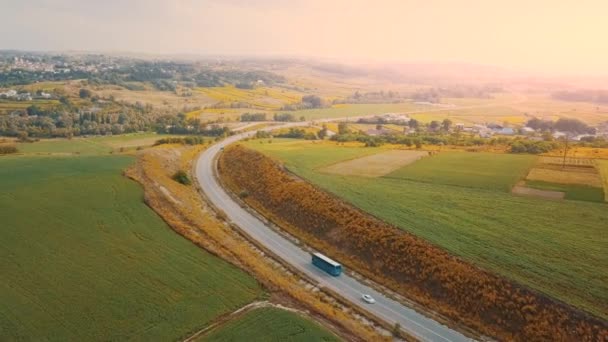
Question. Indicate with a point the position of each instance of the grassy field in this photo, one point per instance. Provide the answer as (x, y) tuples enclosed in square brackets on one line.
[(92, 145), (476, 170), (83, 258), (10, 105), (573, 192), (270, 324), (264, 98), (557, 247), (376, 165), (602, 166)]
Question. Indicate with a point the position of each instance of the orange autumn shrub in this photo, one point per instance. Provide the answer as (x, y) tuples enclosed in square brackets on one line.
[(423, 272)]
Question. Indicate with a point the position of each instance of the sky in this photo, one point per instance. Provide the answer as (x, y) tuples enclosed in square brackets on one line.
[(551, 36)]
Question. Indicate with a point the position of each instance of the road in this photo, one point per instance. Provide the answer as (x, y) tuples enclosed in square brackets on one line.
[(390, 311)]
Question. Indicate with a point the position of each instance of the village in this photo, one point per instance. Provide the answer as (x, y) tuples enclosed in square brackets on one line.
[(487, 130)]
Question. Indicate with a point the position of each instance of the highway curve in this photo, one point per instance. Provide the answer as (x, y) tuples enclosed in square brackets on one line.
[(390, 311)]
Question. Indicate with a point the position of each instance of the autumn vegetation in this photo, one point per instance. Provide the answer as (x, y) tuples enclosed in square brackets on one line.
[(405, 263), (181, 207)]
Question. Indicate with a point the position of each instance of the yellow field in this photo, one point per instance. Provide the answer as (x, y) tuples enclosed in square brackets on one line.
[(376, 165), (581, 152), (260, 98), (567, 176)]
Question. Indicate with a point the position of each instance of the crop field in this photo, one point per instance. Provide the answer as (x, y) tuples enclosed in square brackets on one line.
[(10, 105), (350, 110), (579, 178), (602, 166), (375, 165), (467, 169), (260, 98), (557, 247), (156, 98), (575, 192), (83, 258), (270, 324), (92, 145)]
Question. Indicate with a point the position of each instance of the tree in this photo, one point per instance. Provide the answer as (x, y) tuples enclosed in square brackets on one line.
[(323, 132), (573, 126), (342, 128), (84, 93), (446, 125), (434, 125), (312, 101), (413, 123), (397, 330)]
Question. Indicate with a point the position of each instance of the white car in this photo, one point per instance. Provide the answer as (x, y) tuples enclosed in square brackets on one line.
[(368, 299)]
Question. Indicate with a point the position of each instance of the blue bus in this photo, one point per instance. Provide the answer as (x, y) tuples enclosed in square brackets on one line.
[(326, 264)]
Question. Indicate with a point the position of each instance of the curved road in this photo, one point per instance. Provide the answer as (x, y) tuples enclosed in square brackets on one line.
[(392, 312)]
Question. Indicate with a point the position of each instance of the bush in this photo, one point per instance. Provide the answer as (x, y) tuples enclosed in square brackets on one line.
[(8, 149), (182, 177)]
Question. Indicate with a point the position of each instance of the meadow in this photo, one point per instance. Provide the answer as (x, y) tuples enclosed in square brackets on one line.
[(556, 247), (469, 169), (269, 324), (83, 258), (90, 145), (264, 98), (602, 166)]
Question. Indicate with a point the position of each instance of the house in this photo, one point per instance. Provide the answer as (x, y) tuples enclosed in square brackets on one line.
[(459, 126), (24, 97), (9, 94), (528, 130), (559, 134), (580, 136), (396, 118), (506, 131)]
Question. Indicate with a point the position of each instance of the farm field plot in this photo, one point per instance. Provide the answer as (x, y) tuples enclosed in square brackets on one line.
[(270, 324), (603, 168), (375, 165), (579, 179), (7, 106), (466, 169), (83, 258), (350, 110), (556, 247), (573, 192), (311, 154), (567, 176), (92, 145), (261, 97)]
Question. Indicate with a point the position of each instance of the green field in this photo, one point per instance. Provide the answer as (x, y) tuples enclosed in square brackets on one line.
[(83, 258), (558, 247), (602, 166), (476, 170), (92, 145), (572, 191), (270, 324)]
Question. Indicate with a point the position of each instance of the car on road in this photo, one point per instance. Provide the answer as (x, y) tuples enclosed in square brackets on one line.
[(368, 299)]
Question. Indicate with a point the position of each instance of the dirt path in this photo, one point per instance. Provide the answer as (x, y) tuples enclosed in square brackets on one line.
[(524, 191)]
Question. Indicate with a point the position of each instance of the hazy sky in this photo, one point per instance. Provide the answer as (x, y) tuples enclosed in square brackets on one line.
[(545, 35)]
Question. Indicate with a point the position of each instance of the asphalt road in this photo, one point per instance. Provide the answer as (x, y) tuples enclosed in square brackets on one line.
[(392, 312)]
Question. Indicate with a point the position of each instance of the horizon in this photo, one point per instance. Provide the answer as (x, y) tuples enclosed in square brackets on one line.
[(559, 40)]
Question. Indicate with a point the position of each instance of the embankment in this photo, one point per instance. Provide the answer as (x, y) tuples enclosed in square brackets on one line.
[(409, 265)]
